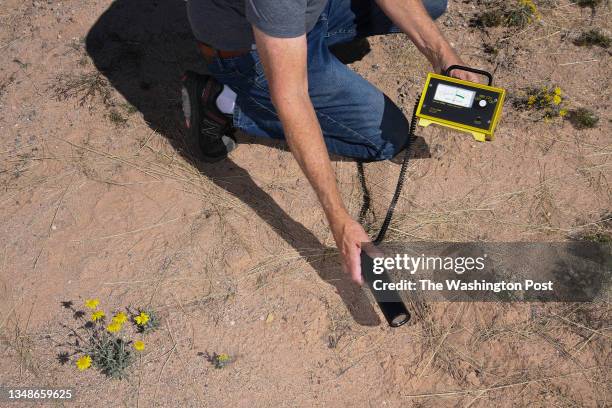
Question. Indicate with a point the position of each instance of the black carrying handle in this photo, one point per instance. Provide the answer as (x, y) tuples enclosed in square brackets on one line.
[(474, 70)]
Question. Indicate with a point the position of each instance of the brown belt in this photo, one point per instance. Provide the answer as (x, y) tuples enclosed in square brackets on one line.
[(210, 53)]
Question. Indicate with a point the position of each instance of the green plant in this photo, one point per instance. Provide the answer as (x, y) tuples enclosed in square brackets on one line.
[(98, 343), (547, 101), (593, 37), (489, 18), (128, 108), (518, 14), (522, 14), (116, 117), (491, 51), (600, 237), (582, 118), (110, 354)]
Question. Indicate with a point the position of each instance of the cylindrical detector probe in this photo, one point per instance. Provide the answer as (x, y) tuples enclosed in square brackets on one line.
[(392, 307)]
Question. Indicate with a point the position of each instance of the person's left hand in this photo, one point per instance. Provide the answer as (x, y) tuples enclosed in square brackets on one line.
[(449, 57)]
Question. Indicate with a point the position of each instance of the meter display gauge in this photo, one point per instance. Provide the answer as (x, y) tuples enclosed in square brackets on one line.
[(454, 95), (461, 105)]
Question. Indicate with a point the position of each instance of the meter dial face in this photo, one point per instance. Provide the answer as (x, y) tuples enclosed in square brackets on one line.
[(454, 95)]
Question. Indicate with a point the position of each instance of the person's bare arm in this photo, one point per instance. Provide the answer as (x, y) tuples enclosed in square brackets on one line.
[(412, 18), (284, 62)]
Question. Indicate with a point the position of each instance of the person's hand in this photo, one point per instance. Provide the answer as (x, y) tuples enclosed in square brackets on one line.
[(448, 57), (349, 235)]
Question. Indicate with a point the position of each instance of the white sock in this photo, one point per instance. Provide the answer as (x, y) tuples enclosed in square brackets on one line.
[(226, 100)]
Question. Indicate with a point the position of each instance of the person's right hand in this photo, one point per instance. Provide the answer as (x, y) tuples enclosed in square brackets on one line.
[(349, 236)]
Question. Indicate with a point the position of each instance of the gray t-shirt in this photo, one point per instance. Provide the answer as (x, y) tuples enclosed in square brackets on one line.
[(226, 24)]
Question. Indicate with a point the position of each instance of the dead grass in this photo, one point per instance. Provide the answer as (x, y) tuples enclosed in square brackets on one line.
[(117, 118), (590, 3), (339, 325), (6, 82), (88, 88), (593, 37), (15, 336)]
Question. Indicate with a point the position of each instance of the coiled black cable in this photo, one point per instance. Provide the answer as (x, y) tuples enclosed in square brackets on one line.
[(401, 178)]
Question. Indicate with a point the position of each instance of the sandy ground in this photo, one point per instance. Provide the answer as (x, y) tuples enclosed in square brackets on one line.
[(103, 195)]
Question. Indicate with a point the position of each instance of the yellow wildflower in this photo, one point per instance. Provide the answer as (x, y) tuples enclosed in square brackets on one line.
[(532, 100), (556, 99), (141, 319), (548, 97), (139, 345), (83, 363), (558, 91), (120, 318), (563, 112), (97, 315), (223, 358), (529, 4), (92, 303), (114, 327)]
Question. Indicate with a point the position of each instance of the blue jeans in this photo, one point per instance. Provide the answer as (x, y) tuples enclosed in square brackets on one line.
[(356, 118)]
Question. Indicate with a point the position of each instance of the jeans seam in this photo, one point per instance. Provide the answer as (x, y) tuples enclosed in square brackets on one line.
[(237, 115), (340, 31), (264, 107), (343, 126)]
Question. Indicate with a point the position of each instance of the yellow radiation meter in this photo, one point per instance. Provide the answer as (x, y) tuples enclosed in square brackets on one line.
[(461, 105)]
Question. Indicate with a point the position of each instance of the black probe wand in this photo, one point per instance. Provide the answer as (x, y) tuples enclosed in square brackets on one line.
[(392, 307)]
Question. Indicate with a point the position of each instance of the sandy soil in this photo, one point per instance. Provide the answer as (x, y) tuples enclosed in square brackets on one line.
[(103, 195)]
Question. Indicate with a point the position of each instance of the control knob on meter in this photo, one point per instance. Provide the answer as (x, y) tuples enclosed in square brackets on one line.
[(482, 103)]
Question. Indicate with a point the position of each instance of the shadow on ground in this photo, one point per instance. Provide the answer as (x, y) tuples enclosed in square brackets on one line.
[(142, 47)]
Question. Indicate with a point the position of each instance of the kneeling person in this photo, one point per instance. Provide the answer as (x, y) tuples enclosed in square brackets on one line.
[(273, 75)]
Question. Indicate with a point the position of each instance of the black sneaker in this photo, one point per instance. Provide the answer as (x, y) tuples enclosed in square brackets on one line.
[(212, 128)]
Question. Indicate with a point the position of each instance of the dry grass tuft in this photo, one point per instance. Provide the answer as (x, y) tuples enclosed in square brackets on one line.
[(89, 88), (593, 37)]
